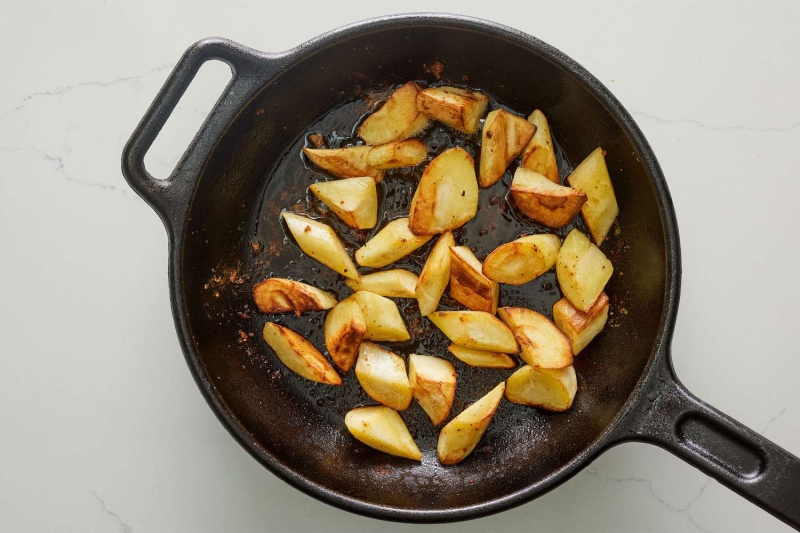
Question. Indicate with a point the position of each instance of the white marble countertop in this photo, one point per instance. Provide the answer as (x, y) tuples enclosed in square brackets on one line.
[(101, 426)]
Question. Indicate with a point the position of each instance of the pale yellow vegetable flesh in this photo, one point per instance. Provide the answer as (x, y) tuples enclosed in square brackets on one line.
[(447, 194), (477, 330), (382, 375), (456, 107), (396, 283), (539, 155), (398, 154), (504, 136), (278, 295), (541, 343), (460, 436), (382, 428), (579, 327), (393, 242), (551, 389), (354, 200), (299, 355), (320, 242), (481, 358), (382, 318), (395, 117), (468, 285), (543, 201), (349, 162), (435, 274), (433, 384), (583, 270), (344, 329), (601, 209), (522, 260)]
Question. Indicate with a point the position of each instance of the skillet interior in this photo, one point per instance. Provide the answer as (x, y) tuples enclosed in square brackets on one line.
[(238, 198)]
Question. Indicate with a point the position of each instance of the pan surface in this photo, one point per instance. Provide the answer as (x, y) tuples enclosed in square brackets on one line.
[(221, 208)]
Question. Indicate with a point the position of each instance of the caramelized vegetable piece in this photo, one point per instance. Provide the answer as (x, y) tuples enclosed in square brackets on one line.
[(481, 358), (504, 137), (349, 162), (393, 242), (398, 154), (299, 355), (382, 428), (435, 274), (520, 261), (382, 375), (447, 195), (476, 330), (468, 285), (382, 317), (579, 327), (394, 118), (354, 200), (583, 270), (539, 155), (278, 295), (320, 242), (459, 108), (397, 283), (542, 343), (551, 389), (344, 329), (433, 383), (600, 210), (460, 436), (544, 201)]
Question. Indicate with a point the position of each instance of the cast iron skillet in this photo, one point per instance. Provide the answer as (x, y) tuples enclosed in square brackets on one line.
[(225, 193)]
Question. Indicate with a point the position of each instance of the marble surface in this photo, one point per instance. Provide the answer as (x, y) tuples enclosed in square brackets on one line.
[(101, 426)]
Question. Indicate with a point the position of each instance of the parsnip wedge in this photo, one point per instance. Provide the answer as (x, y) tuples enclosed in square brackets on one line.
[(542, 343), (433, 384), (504, 137), (396, 283), (393, 242), (354, 200), (600, 210), (543, 201), (583, 270), (382, 375), (382, 317), (299, 355), (459, 108), (539, 155), (397, 154), (435, 274), (551, 389), (344, 329), (447, 195), (460, 436), (320, 242), (468, 285), (481, 358), (278, 295), (476, 330), (394, 117), (382, 428), (579, 327), (522, 260), (349, 162)]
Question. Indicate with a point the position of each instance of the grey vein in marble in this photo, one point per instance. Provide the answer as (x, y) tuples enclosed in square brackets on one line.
[(123, 527)]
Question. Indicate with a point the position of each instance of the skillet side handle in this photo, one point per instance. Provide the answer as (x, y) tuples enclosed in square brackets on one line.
[(746, 462), (170, 197)]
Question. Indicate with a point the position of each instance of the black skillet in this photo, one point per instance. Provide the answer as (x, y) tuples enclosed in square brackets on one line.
[(220, 207)]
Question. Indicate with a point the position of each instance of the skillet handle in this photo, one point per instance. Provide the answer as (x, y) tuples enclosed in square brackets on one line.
[(746, 462), (170, 197)]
